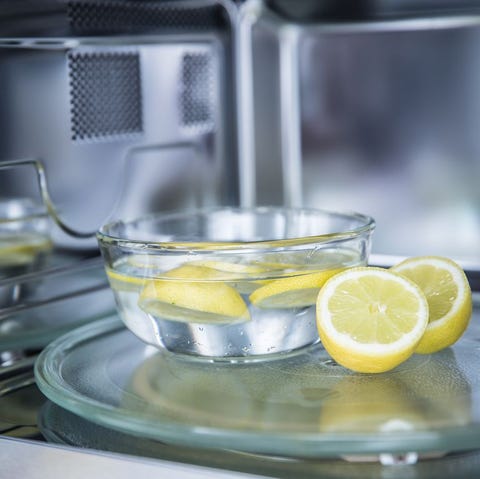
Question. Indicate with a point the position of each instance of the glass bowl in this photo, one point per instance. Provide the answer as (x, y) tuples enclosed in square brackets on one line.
[(25, 244), (229, 283)]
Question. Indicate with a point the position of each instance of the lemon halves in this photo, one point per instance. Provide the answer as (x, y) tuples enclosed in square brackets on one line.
[(449, 299), (370, 319)]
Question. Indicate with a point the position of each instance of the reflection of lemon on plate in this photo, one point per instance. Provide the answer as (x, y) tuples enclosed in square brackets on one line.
[(449, 299), (193, 294), (371, 319), (292, 292), (441, 387), (366, 404), (427, 393)]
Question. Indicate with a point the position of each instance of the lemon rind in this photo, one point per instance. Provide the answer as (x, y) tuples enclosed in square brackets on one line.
[(438, 334), (373, 350), (458, 275)]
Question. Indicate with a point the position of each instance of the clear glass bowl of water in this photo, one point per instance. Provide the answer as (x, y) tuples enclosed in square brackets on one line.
[(25, 245), (229, 283)]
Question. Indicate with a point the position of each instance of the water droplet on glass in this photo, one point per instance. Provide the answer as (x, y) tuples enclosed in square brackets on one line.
[(330, 363)]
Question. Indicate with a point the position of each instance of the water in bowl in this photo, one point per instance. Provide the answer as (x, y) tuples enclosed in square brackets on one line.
[(229, 307), (20, 253)]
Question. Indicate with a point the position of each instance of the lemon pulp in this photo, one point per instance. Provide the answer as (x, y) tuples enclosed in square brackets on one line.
[(370, 319)]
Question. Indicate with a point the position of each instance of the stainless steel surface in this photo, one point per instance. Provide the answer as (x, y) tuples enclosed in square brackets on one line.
[(45, 195), (308, 11), (17, 375), (48, 462), (388, 111), (87, 87)]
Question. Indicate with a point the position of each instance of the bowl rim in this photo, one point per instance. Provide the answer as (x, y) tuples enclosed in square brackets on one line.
[(367, 225), (25, 209)]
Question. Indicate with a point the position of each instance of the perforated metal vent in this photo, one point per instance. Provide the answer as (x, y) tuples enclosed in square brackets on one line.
[(126, 16), (105, 94), (197, 91)]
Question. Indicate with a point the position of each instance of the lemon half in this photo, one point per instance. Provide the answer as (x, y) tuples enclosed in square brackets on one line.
[(370, 319), (449, 299)]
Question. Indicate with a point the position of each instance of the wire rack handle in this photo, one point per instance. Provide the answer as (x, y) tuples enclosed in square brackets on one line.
[(47, 201)]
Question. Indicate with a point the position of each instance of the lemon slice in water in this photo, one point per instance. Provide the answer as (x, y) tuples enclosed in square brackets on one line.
[(370, 319), (22, 249), (292, 292), (193, 294), (449, 299)]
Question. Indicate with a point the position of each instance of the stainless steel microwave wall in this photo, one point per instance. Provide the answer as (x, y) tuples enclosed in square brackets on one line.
[(128, 104), (378, 115)]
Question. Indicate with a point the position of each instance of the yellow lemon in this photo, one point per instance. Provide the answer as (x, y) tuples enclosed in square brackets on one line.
[(292, 292), (193, 294), (371, 319), (449, 299)]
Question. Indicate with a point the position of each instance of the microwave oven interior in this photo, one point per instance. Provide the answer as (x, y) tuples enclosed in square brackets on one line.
[(129, 106), (377, 115), (138, 106)]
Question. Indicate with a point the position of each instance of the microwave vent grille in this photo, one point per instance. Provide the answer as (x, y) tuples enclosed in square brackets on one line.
[(197, 91), (128, 16), (105, 95)]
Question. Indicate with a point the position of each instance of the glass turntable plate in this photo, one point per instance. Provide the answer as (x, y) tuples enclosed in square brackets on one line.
[(60, 426), (301, 406)]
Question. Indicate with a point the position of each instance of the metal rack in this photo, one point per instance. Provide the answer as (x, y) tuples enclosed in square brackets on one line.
[(72, 291)]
